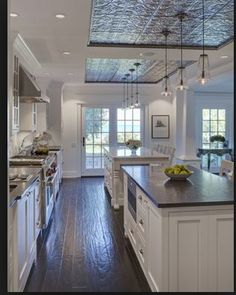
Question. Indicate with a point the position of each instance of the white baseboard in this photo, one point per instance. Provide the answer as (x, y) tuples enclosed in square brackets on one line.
[(71, 174)]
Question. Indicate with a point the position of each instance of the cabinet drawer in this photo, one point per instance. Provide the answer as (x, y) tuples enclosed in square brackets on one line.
[(142, 222), (131, 228), (141, 251), (141, 199)]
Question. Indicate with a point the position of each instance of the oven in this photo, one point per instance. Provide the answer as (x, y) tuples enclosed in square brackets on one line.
[(132, 198)]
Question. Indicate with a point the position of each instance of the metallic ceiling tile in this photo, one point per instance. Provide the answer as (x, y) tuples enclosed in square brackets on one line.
[(102, 70), (140, 22)]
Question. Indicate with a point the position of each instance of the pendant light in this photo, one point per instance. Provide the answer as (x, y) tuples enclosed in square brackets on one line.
[(123, 99), (137, 103), (203, 62), (166, 90), (131, 90), (127, 89), (181, 76)]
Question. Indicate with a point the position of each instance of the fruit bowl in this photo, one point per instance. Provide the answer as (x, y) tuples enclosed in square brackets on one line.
[(178, 176), (178, 172)]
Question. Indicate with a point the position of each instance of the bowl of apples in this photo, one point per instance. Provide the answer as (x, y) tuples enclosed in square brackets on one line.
[(178, 172)]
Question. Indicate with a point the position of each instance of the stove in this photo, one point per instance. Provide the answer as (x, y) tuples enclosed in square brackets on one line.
[(46, 163)]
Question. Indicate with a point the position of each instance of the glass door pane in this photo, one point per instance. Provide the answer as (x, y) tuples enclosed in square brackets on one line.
[(96, 137)]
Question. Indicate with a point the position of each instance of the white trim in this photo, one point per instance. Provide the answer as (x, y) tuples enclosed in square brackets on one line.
[(71, 174), (27, 57)]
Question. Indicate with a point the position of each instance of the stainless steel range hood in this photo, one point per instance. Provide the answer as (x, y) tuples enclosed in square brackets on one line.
[(29, 91)]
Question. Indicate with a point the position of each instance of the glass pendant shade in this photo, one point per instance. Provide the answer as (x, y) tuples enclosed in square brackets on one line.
[(166, 88), (181, 79), (203, 69)]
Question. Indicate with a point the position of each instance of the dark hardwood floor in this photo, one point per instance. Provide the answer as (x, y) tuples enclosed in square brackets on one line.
[(84, 249)]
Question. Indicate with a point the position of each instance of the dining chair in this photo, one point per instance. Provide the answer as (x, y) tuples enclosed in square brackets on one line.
[(227, 169)]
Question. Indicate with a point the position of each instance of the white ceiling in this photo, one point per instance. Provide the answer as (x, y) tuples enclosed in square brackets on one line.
[(48, 37)]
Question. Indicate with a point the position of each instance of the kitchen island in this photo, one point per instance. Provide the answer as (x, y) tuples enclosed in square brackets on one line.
[(115, 157), (181, 231)]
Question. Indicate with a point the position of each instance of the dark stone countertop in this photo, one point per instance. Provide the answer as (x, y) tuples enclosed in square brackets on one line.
[(200, 189), (22, 186)]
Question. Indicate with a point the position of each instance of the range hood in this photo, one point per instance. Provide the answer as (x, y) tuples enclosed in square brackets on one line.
[(29, 91)]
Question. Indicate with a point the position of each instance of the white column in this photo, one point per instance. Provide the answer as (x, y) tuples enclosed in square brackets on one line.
[(185, 127)]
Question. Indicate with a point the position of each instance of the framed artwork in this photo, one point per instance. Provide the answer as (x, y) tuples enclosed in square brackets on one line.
[(160, 126)]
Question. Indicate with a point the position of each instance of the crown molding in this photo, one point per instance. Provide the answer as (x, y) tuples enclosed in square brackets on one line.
[(26, 57)]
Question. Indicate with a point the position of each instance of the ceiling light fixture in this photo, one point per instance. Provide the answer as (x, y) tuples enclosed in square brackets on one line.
[(166, 89), (70, 74), (13, 14), (66, 53), (131, 91), (181, 77), (224, 56), (60, 15), (137, 103), (123, 99), (203, 62), (127, 89)]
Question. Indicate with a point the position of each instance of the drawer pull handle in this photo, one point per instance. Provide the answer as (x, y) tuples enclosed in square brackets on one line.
[(141, 251), (140, 198), (141, 221)]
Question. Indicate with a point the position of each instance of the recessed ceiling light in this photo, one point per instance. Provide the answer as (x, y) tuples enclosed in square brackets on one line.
[(13, 14), (66, 52), (47, 74), (60, 15), (224, 56), (70, 74), (147, 53)]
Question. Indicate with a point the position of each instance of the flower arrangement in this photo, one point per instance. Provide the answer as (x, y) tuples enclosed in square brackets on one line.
[(217, 138), (133, 144)]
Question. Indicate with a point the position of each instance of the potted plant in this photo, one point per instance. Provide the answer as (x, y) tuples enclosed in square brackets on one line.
[(219, 139)]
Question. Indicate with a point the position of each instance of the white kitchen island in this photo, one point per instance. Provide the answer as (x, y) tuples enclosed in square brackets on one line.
[(115, 157)]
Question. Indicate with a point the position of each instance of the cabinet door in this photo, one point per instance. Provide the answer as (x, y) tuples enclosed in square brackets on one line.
[(221, 254), (188, 251), (31, 222), (37, 209), (154, 248), (22, 244)]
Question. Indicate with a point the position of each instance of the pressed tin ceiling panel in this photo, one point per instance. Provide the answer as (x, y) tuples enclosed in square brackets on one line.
[(102, 70), (140, 22)]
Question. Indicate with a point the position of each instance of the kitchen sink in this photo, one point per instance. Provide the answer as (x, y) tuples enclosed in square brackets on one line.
[(12, 187)]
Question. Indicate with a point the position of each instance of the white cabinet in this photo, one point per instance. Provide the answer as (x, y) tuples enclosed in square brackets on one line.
[(15, 107), (182, 249), (188, 251), (28, 116), (154, 250), (24, 235)]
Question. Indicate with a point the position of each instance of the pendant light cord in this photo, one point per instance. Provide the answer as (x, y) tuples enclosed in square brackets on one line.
[(181, 47), (203, 29)]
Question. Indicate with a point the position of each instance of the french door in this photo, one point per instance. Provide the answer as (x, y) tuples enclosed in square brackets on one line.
[(95, 132)]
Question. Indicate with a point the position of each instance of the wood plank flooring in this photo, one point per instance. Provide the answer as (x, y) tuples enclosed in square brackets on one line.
[(84, 249)]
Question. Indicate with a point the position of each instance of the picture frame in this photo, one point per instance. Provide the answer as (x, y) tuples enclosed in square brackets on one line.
[(160, 126)]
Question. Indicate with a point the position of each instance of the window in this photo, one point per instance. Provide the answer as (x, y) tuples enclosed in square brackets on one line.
[(128, 125), (213, 122)]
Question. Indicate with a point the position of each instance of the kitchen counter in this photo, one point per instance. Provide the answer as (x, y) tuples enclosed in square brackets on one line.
[(201, 188), (123, 152), (22, 186)]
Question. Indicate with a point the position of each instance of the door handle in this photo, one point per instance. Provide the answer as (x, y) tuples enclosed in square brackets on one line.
[(83, 141)]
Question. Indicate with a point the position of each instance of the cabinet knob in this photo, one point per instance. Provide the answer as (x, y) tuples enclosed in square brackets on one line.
[(140, 198), (141, 221), (141, 251), (132, 232), (37, 224)]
